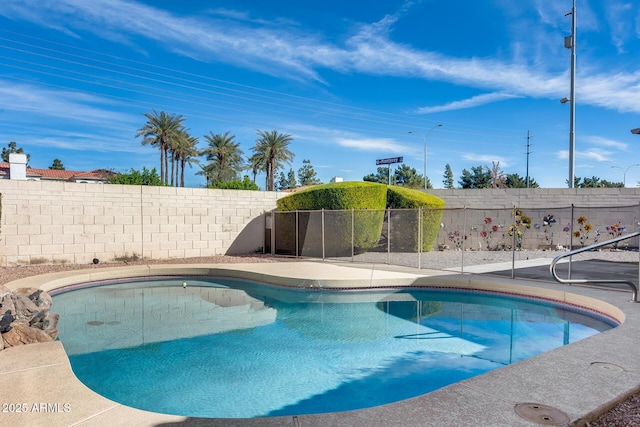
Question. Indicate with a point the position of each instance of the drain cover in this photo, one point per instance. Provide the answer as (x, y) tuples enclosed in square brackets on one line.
[(542, 414), (607, 366), (95, 323)]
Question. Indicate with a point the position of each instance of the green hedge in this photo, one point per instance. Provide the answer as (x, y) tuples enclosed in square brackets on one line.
[(336, 196), (405, 236), (365, 200)]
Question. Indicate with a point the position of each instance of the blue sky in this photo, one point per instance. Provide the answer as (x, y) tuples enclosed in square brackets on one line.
[(347, 79)]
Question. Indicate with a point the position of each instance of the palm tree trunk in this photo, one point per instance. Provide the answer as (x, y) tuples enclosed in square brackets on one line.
[(173, 165), (161, 164), (166, 165), (177, 172)]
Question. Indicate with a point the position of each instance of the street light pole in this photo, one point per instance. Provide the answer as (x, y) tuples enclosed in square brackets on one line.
[(624, 174), (425, 137), (572, 99)]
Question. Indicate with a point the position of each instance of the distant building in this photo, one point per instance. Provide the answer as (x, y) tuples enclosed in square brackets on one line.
[(17, 169), (336, 179)]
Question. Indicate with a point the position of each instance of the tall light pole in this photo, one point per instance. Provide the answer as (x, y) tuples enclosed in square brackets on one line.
[(624, 174), (425, 137), (570, 43)]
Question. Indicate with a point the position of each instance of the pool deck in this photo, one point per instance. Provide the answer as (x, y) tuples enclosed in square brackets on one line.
[(580, 380)]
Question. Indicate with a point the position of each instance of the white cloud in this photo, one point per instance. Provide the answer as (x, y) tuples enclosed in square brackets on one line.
[(287, 50), (621, 29), (486, 160), (334, 137), (371, 144), (606, 142), (593, 154), (467, 103), (69, 105)]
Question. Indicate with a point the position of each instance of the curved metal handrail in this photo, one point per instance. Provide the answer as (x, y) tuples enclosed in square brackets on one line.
[(552, 267)]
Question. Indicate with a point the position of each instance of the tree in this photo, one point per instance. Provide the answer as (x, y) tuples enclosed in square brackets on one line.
[(513, 180), (184, 152), (291, 179), (497, 176), (57, 165), (270, 153), (448, 177), (161, 131), (406, 176), (477, 178), (236, 184), (381, 177), (12, 148), (223, 156), (282, 182), (135, 177), (306, 174), (595, 182)]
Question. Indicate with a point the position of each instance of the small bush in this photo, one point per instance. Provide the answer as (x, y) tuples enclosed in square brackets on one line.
[(127, 258), (407, 234)]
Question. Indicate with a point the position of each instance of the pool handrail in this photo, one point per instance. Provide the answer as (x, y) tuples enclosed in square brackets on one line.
[(552, 267)]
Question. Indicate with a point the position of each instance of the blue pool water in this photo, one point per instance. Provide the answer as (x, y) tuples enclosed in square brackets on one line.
[(227, 348)]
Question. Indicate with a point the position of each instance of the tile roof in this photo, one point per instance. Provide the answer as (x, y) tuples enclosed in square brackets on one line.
[(61, 175)]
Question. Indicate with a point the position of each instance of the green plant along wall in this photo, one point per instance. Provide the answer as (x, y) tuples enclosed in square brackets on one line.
[(361, 204)]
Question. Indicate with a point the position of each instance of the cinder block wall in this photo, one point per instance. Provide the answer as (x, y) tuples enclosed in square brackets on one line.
[(538, 198), (56, 222), (601, 206), (74, 223)]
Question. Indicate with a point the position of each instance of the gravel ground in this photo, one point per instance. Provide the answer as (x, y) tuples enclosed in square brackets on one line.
[(625, 414), (10, 273)]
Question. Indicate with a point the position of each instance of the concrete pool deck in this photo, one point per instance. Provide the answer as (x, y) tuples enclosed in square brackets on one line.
[(581, 380)]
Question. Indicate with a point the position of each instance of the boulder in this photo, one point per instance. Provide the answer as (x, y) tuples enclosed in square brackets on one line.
[(47, 321), (6, 319), (26, 317), (21, 333)]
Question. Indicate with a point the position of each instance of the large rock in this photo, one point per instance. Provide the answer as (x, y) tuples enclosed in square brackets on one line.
[(6, 319), (26, 317), (47, 321), (21, 333)]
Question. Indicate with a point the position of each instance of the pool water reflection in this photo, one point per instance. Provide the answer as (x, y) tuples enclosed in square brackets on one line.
[(227, 348)]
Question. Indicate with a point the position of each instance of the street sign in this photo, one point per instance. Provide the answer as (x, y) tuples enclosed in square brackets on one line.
[(389, 161)]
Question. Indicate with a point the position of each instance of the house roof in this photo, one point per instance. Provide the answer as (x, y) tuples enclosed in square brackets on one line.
[(61, 175)]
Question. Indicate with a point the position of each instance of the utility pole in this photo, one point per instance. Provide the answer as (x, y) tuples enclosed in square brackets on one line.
[(529, 136), (570, 43)]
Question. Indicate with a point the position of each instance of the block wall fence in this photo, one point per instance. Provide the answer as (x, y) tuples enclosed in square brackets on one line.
[(465, 211), (58, 222)]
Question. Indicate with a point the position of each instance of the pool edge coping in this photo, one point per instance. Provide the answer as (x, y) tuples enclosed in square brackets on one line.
[(423, 278)]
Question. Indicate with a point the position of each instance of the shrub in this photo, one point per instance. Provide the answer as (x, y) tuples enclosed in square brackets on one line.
[(363, 201), (236, 184), (405, 237)]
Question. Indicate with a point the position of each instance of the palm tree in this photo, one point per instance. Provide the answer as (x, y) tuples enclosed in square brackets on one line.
[(256, 164), (271, 152), (185, 153), (224, 158), (161, 131)]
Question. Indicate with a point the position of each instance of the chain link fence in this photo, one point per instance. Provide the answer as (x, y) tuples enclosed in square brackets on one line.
[(465, 237)]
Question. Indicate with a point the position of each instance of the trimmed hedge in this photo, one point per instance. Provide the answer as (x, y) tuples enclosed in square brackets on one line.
[(336, 196), (362, 203), (405, 237)]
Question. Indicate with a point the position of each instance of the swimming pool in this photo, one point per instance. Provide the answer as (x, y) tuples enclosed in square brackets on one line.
[(228, 348)]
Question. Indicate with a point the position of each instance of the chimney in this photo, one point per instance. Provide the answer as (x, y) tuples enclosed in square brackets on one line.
[(18, 166)]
